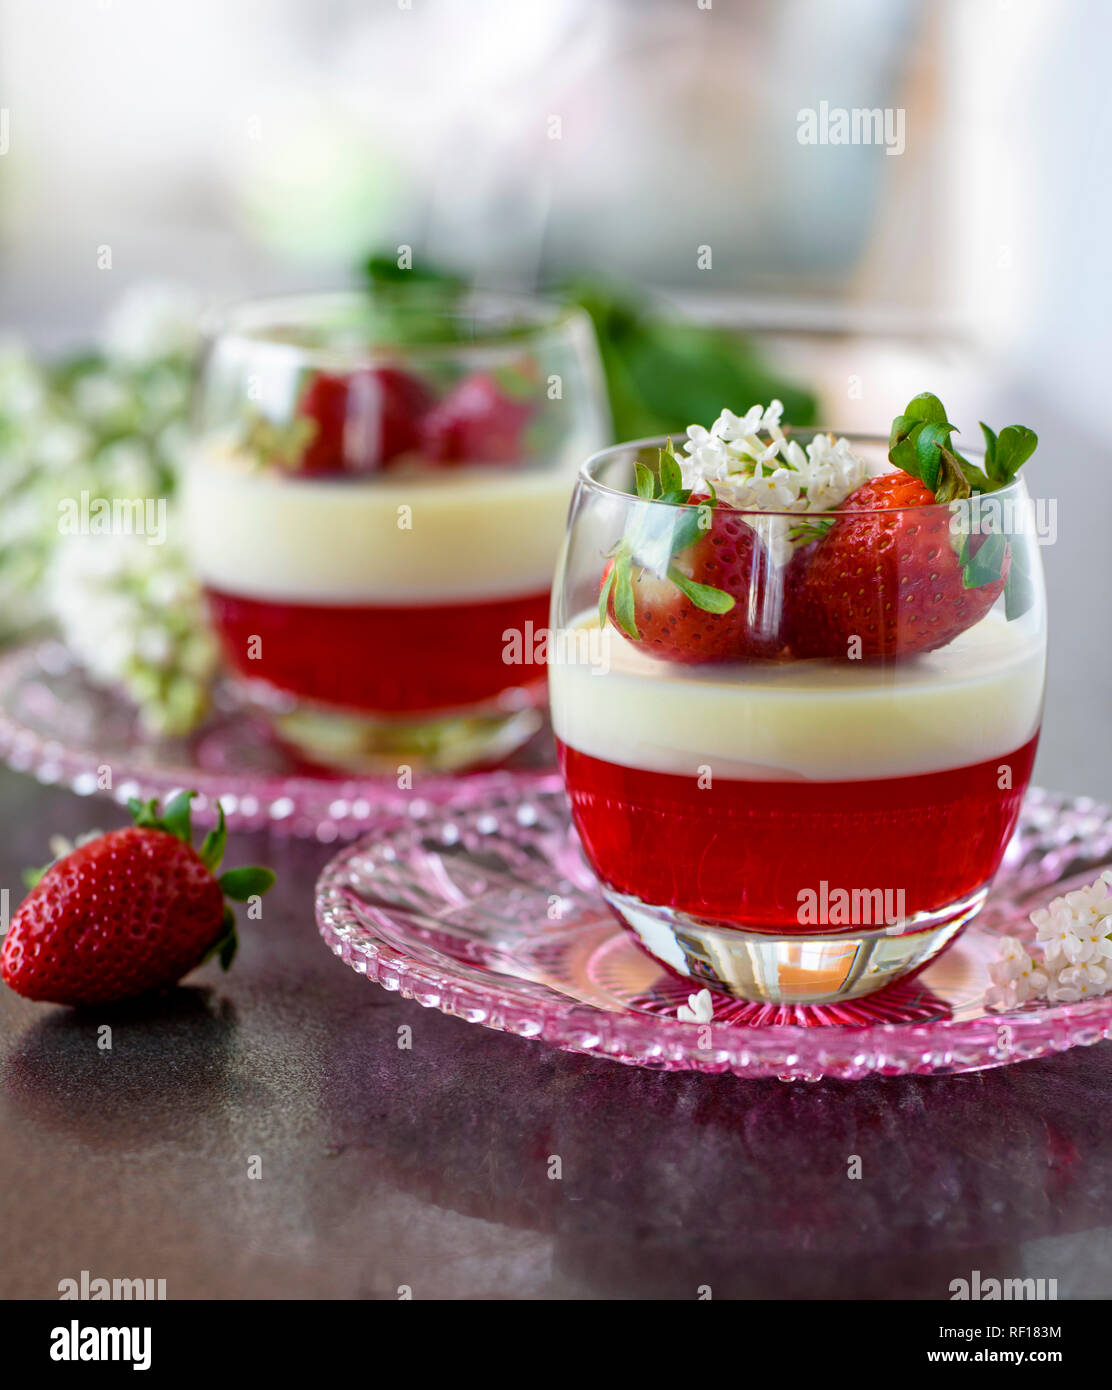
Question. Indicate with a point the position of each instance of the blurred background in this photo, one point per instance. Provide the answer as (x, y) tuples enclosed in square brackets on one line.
[(651, 147)]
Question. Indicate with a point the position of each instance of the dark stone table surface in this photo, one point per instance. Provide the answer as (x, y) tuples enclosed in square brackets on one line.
[(429, 1168)]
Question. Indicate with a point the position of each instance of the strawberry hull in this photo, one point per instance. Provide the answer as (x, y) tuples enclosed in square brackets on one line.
[(741, 853), (380, 658)]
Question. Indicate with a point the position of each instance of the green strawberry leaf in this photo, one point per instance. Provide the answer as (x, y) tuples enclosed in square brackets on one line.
[(987, 565), (241, 884), (810, 530), (226, 943), (604, 597), (1014, 447), (703, 596), (688, 529), (229, 945), (976, 478), (953, 484), (646, 483), (212, 848), (623, 596), (929, 443), (671, 478), (175, 818), (653, 548), (144, 813), (927, 408), (920, 444), (990, 452)]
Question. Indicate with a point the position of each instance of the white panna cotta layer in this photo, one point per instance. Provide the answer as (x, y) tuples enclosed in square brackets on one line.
[(460, 536), (979, 698)]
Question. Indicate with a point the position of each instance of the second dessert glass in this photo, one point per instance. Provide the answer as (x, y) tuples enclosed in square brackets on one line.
[(787, 809), (374, 505)]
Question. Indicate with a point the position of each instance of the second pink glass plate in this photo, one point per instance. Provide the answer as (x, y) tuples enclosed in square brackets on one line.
[(484, 908), (58, 726)]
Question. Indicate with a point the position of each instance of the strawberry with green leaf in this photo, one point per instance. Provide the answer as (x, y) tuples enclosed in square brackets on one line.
[(129, 911), (679, 583), (892, 580)]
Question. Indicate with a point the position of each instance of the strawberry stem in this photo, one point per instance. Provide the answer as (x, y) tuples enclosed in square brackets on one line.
[(238, 884)]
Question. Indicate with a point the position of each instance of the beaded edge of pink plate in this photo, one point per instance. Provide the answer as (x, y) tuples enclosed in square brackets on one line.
[(1051, 832)]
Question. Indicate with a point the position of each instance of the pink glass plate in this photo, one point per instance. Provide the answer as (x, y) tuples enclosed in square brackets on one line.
[(60, 728), (486, 909)]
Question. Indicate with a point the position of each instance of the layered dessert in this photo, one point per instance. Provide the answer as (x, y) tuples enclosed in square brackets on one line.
[(317, 591), (724, 792), (804, 701), (369, 537)]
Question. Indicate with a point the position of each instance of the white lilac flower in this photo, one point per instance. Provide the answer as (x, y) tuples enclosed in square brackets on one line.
[(1077, 982), (1075, 934), (60, 445), (770, 473), (1054, 932), (110, 424), (698, 1009), (106, 593), (1015, 977)]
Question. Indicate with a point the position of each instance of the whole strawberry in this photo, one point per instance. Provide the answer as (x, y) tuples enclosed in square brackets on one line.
[(697, 593), (129, 911), (890, 578)]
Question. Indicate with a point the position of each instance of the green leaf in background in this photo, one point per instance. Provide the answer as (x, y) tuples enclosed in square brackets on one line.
[(414, 306), (664, 374), (385, 270)]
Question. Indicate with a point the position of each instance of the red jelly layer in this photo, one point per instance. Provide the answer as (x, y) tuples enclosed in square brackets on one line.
[(377, 658), (741, 852)]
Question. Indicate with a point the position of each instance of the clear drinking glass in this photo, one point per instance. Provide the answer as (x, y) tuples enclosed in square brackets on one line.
[(375, 499), (788, 808)]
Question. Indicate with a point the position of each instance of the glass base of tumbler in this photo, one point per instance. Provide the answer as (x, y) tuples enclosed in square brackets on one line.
[(765, 968), (364, 743)]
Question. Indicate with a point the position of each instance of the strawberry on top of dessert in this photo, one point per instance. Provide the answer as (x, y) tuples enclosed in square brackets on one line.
[(378, 419), (782, 550)]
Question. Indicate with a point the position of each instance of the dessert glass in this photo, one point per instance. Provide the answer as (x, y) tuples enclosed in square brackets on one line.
[(374, 503), (792, 830)]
